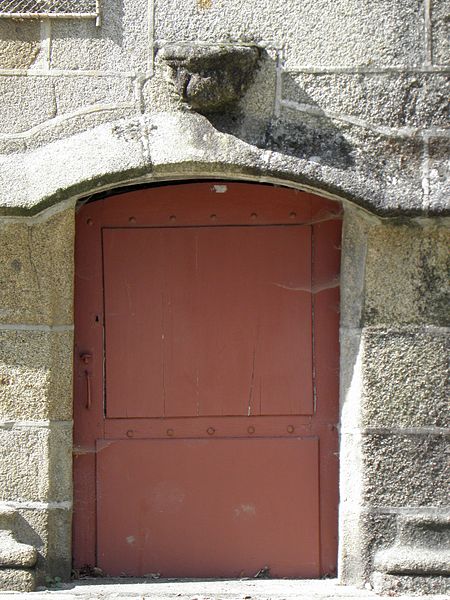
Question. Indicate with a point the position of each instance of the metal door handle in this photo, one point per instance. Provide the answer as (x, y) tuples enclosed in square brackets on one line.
[(88, 389), (86, 358)]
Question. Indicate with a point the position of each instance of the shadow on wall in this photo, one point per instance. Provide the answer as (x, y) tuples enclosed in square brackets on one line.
[(301, 135)]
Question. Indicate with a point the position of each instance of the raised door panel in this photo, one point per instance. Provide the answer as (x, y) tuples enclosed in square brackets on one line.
[(209, 508), (207, 321)]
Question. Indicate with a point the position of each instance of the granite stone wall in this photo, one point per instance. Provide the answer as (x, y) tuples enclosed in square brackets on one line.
[(348, 98)]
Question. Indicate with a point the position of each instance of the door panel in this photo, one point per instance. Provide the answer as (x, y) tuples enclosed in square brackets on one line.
[(199, 321), (209, 508), (206, 381)]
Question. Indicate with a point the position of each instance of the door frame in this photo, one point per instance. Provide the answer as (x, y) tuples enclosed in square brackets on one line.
[(88, 359)]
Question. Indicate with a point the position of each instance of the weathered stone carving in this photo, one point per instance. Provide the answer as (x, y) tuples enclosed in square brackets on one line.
[(211, 78)]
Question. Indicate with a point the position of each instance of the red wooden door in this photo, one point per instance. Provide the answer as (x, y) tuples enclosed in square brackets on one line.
[(206, 382)]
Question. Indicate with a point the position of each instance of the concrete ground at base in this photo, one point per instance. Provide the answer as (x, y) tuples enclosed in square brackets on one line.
[(243, 589)]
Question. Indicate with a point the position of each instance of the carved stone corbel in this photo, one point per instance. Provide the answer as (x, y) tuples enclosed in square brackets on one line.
[(210, 79)]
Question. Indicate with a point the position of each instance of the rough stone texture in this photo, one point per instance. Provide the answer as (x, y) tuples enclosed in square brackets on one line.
[(394, 402), (440, 22), (405, 470), (77, 92), (49, 531), (36, 270), (353, 151), (213, 78), (346, 103), (346, 158), (8, 517), (62, 127), (342, 159), (260, 589), (31, 100), (158, 91), (17, 580), (439, 171), (405, 378), (402, 585), (370, 37), (19, 43), (387, 99), (397, 272), (407, 278), (26, 102), (35, 375), (35, 463), (432, 531), (361, 533), (120, 44), (410, 560), (353, 267), (15, 554), (166, 146), (419, 557)]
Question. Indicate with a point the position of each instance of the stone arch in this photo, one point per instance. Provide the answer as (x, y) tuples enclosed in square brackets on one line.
[(185, 145)]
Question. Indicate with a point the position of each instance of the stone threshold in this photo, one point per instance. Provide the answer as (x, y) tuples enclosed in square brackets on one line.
[(204, 589)]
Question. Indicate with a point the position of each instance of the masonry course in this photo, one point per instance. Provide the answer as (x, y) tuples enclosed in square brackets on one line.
[(348, 100)]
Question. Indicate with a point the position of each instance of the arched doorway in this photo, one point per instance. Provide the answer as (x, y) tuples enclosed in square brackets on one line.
[(206, 382)]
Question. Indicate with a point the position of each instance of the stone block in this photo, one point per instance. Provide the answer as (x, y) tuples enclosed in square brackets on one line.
[(361, 533), (35, 463), (405, 375), (350, 384), (405, 470), (409, 560), (158, 92), (407, 275), (440, 27), (17, 580), (439, 173), (19, 43), (60, 448), (27, 101), (14, 554), (350, 161), (99, 158), (120, 44), (8, 518), (421, 548), (69, 125), (77, 92), (430, 531), (313, 34), (353, 266), (386, 99), (35, 375), (419, 585), (193, 144), (36, 270), (259, 100), (24, 464), (49, 531)]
